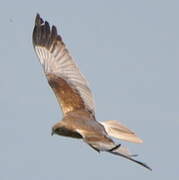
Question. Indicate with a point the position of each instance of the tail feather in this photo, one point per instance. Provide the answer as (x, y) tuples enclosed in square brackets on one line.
[(119, 131)]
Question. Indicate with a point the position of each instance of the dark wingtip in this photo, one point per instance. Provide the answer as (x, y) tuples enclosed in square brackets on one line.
[(54, 30), (43, 35), (145, 165), (130, 158), (38, 20)]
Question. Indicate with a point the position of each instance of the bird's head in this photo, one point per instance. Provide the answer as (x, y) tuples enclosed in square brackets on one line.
[(57, 128)]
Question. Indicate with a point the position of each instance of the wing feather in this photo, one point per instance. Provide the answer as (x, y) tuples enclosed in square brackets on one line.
[(119, 131), (69, 85)]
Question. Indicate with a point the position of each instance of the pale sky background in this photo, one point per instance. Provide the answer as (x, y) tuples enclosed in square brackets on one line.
[(129, 52)]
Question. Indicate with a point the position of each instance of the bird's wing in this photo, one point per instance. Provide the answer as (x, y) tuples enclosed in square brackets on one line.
[(119, 131), (101, 143), (69, 85)]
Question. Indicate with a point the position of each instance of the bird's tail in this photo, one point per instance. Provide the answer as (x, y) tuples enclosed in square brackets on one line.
[(119, 131)]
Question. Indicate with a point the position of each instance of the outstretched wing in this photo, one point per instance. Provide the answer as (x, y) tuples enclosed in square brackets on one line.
[(64, 77), (103, 143)]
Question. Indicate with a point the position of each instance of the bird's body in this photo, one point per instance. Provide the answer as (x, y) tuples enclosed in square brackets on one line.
[(79, 121), (75, 97)]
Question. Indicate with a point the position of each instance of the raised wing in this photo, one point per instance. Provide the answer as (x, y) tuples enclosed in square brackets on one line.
[(64, 77)]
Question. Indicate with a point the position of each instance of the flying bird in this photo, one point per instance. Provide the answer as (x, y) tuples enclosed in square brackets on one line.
[(75, 97)]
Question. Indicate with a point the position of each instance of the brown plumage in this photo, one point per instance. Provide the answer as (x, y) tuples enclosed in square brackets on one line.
[(75, 97)]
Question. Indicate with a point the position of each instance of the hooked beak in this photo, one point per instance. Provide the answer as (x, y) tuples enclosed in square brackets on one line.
[(52, 133)]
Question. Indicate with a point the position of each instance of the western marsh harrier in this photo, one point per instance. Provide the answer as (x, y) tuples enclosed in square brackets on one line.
[(75, 98)]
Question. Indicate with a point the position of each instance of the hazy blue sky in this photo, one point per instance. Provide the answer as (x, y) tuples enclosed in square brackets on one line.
[(129, 52)]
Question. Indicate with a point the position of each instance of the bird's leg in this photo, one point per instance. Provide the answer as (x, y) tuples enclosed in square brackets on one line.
[(114, 148)]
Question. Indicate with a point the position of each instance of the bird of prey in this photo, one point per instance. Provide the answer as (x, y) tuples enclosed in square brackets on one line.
[(75, 97)]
